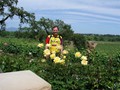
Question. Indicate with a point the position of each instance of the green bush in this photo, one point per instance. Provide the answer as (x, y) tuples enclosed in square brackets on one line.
[(25, 34), (28, 50), (6, 34), (79, 41), (101, 73)]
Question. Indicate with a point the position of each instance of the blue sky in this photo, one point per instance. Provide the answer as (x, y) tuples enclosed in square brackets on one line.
[(85, 16)]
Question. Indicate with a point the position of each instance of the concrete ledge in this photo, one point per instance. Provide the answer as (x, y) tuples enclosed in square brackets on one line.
[(22, 80)]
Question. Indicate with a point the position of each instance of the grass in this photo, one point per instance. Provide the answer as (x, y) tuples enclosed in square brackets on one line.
[(21, 41), (109, 48)]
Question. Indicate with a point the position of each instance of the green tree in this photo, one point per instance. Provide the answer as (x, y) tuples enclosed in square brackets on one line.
[(79, 41), (9, 9), (46, 24), (67, 32)]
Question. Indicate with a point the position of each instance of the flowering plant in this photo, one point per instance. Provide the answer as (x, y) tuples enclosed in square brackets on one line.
[(61, 57)]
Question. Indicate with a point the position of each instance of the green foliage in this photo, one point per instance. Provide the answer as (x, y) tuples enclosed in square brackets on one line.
[(6, 34), (67, 32), (110, 48), (99, 37), (45, 24), (21, 49), (25, 34), (41, 36), (79, 41), (9, 9), (44, 27), (101, 73)]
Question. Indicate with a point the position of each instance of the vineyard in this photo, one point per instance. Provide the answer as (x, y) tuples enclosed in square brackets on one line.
[(100, 73), (110, 48)]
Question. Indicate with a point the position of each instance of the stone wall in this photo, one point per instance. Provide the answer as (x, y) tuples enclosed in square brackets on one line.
[(22, 80)]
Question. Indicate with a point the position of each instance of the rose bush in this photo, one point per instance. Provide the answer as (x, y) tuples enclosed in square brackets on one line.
[(71, 71)]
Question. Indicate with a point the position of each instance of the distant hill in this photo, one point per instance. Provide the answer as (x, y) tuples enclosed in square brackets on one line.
[(11, 29)]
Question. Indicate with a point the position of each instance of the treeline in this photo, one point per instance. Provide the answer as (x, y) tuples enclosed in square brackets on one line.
[(42, 35), (79, 40), (40, 29), (101, 37)]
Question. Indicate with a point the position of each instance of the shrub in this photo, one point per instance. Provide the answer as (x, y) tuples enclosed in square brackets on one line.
[(79, 41), (101, 73), (6, 34)]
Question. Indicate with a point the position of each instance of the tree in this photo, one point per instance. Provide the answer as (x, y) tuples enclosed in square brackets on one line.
[(79, 41), (9, 9), (67, 32), (43, 27), (45, 24)]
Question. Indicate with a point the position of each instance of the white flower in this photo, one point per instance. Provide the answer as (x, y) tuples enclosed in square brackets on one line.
[(56, 60), (84, 62), (62, 61), (64, 57), (77, 54), (30, 53), (52, 56), (40, 45), (31, 60), (43, 60), (48, 45), (84, 58), (46, 52), (65, 52)]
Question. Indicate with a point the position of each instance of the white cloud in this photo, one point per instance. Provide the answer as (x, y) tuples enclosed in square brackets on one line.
[(75, 11), (95, 16), (91, 6), (43, 4)]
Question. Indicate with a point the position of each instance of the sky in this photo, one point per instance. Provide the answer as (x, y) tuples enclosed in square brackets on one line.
[(84, 16)]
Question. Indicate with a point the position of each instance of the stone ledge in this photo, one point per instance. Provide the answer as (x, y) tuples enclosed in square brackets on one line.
[(22, 80)]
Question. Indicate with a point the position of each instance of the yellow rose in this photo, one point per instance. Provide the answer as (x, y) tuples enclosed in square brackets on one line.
[(43, 60), (84, 58), (48, 45), (40, 45), (65, 52), (52, 56), (77, 54), (46, 52), (64, 57), (56, 60), (62, 61), (84, 62)]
